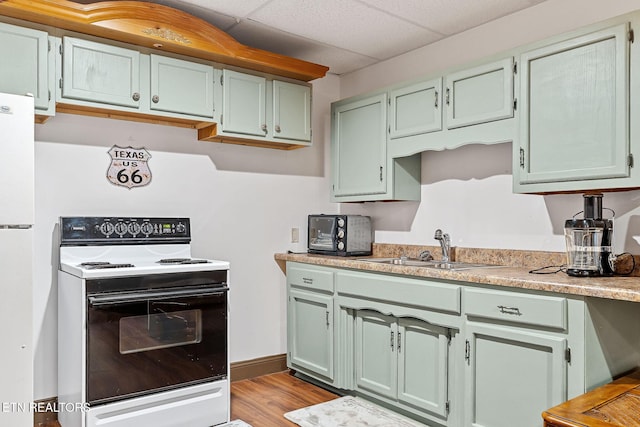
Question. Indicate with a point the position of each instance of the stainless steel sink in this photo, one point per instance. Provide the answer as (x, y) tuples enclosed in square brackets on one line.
[(440, 265)]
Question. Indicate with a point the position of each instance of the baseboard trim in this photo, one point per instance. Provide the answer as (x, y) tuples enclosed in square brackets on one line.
[(46, 416), (256, 367)]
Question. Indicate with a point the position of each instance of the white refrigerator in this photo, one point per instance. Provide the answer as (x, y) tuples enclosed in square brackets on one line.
[(16, 259)]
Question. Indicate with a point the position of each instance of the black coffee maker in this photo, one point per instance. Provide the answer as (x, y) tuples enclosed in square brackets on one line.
[(589, 241)]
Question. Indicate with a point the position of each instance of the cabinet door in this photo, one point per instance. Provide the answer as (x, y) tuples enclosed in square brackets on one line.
[(25, 66), (423, 354), (574, 120), (360, 147), (512, 376), (243, 103), (291, 111), (415, 109), (311, 332), (100, 73), (181, 87), (481, 94), (375, 351)]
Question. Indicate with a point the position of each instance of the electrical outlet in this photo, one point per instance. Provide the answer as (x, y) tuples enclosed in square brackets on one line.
[(295, 235)]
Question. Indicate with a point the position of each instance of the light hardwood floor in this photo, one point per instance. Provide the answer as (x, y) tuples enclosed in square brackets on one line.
[(262, 401)]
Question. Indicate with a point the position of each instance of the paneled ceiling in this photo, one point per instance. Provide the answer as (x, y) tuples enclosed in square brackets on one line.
[(345, 35)]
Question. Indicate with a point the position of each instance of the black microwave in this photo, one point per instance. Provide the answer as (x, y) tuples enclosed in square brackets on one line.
[(342, 235)]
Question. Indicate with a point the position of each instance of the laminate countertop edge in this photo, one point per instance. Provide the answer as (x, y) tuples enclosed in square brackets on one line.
[(623, 288)]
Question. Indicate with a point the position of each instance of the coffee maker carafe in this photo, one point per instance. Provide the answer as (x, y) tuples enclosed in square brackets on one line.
[(589, 241)]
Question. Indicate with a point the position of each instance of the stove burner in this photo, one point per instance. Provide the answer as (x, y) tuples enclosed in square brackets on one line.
[(103, 264), (183, 261)]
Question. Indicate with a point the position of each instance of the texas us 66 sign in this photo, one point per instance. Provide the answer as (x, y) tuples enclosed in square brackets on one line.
[(129, 167)]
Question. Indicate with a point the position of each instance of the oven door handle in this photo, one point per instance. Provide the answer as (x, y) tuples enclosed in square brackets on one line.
[(102, 300)]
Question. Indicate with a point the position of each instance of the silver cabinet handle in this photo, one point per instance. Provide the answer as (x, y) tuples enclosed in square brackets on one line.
[(136, 96), (277, 128), (391, 340), (327, 313), (436, 104), (446, 96), (155, 99), (509, 310), (264, 128), (399, 342)]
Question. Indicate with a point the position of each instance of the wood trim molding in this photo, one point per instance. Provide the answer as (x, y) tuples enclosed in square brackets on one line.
[(160, 28), (258, 367), (44, 417)]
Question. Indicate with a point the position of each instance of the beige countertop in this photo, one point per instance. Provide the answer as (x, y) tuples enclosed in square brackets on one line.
[(515, 274)]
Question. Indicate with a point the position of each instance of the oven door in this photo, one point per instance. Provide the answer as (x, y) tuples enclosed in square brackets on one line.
[(154, 340)]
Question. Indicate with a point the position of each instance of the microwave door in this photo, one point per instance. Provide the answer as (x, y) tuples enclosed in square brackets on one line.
[(321, 234)]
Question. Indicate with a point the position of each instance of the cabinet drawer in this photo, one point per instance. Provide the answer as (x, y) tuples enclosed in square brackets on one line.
[(310, 277), (545, 311), (421, 293)]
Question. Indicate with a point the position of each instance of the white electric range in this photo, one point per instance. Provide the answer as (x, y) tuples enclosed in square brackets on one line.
[(143, 331)]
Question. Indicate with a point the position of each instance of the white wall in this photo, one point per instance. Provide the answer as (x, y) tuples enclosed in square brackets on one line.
[(467, 191), (242, 202)]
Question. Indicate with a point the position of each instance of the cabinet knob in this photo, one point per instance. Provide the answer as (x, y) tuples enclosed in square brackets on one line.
[(278, 128), (264, 128), (155, 99), (136, 96)]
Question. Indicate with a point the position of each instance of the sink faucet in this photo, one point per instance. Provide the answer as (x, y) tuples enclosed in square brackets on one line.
[(445, 244)]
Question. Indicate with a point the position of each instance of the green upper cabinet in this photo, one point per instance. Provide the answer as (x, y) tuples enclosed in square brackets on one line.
[(26, 67), (359, 147), (100, 73), (415, 109), (362, 169), (480, 94), (244, 104), (574, 124), (465, 106), (261, 108), (291, 111), (179, 86)]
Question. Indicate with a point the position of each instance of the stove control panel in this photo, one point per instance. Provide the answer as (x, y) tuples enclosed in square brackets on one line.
[(120, 230)]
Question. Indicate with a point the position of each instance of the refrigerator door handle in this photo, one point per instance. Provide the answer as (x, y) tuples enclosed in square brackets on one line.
[(16, 226)]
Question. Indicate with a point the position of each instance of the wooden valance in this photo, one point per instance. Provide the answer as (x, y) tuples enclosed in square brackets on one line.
[(161, 28)]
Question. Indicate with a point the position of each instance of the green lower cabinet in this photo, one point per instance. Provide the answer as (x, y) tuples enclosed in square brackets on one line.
[(512, 375), (423, 365), (311, 332), (402, 359), (376, 359)]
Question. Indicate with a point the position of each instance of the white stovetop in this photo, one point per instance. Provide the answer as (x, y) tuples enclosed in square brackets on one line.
[(144, 258)]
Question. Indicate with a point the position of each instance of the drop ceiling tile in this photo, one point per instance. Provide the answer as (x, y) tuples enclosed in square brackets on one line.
[(262, 37), (450, 16), (347, 24), (236, 8), (219, 20)]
